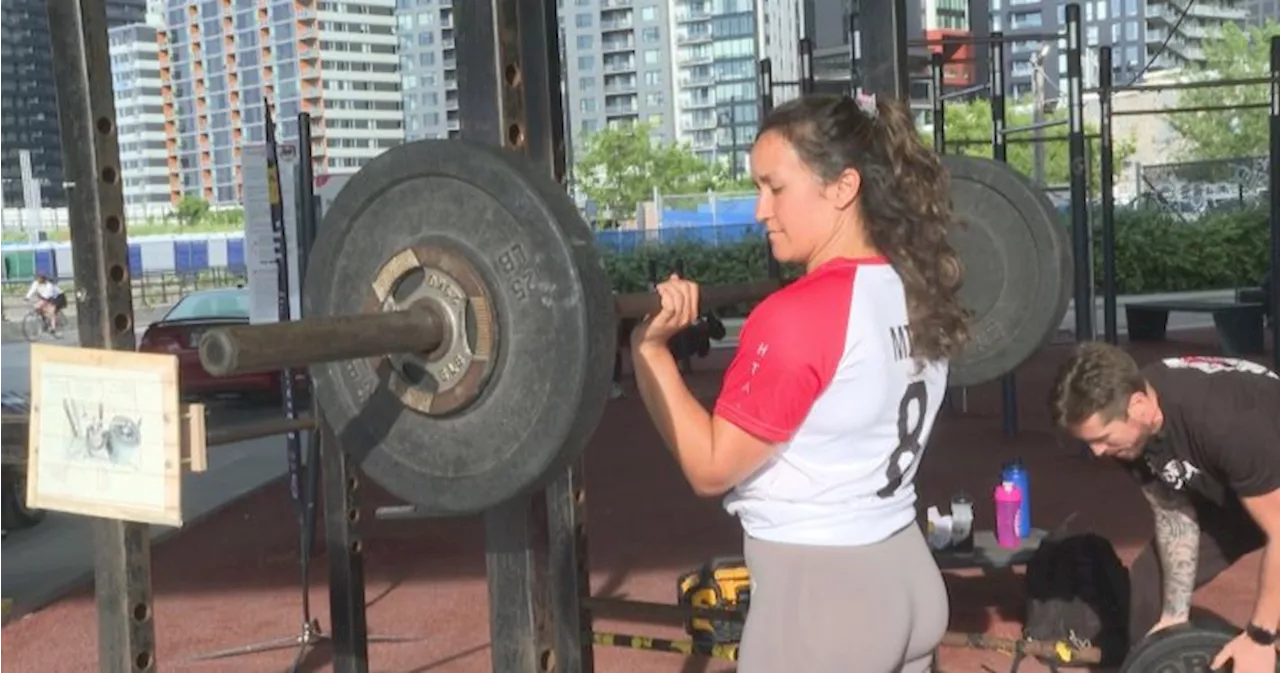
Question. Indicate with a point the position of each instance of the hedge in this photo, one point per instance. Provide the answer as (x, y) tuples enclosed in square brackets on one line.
[(1155, 252)]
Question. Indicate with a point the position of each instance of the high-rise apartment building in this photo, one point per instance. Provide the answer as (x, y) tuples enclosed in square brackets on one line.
[(1139, 32), (718, 46), (29, 96), (617, 66), (1262, 11), (428, 68), (140, 127), (222, 59)]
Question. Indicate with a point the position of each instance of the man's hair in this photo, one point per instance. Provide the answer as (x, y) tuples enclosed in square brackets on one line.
[(1097, 379)]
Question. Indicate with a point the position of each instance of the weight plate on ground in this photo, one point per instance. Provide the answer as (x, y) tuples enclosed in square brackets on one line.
[(1017, 268), (540, 390), (1185, 648)]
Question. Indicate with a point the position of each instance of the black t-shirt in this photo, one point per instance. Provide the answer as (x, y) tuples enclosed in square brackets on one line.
[(1221, 433)]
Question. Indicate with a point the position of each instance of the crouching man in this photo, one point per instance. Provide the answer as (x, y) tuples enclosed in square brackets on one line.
[(1202, 437)]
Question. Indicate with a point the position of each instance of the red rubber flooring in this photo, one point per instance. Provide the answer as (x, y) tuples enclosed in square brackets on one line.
[(232, 579)]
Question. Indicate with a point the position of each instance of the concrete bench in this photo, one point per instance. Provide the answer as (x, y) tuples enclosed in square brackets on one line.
[(1239, 323)]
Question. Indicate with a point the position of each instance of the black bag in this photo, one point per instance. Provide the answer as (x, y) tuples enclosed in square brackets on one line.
[(1077, 595)]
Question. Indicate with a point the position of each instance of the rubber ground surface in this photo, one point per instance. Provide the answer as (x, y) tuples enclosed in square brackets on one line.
[(232, 580)]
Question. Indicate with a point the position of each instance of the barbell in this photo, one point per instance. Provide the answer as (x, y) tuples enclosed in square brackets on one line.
[(1189, 647), (460, 327)]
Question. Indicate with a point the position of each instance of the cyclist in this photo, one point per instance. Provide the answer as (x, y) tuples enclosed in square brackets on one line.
[(50, 300)]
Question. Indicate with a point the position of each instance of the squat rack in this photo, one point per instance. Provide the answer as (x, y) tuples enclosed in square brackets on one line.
[(535, 544)]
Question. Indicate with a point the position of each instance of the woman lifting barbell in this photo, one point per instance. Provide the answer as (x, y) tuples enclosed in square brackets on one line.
[(825, 411)]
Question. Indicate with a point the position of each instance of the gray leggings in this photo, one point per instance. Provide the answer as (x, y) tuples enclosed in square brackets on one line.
[(880, 608)]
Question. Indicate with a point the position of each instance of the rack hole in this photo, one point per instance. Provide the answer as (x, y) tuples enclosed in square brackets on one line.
[(515, 135), (143, 661), (141, 612), (109, 174), (122, 322), (512, 74), (104, 125), (117, 273), (113, 224)]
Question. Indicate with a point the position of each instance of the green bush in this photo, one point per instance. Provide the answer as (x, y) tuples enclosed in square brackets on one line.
[(1155, 252), (1159, 252)]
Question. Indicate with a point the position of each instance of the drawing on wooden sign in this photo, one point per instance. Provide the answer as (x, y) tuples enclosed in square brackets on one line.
[(106, 434)]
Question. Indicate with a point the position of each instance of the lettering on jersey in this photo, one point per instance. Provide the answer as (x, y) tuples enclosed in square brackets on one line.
[(761, 350), (906, 457), (900, 336), (1210, 364)]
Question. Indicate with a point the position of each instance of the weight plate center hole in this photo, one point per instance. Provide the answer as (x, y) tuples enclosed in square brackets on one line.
[(438, 369)]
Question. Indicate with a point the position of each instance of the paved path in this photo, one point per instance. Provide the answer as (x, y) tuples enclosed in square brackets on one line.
[(53, 558), (44, 562)]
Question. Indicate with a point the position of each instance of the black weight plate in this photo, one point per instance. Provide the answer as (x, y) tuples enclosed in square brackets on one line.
[(1017, 268), (1185, 648), (553, 311)]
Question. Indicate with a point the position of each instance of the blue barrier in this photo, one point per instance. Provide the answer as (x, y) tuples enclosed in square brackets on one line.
[(189, 254)]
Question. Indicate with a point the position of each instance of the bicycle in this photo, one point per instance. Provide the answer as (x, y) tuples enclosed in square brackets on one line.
[(35, 324)]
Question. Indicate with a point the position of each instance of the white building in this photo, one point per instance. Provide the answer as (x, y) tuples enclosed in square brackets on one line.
[(335, 60), (363, 109), (144, 160)]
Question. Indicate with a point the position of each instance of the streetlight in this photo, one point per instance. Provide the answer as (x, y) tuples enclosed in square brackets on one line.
[(1039, 107)]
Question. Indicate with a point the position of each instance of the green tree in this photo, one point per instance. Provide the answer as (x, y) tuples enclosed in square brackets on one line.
[(191, 210), (1234, 55), (968, 132), (621, 167)]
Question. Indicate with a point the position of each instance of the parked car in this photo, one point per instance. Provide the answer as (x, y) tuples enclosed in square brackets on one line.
[(16, 418), (179, 332)]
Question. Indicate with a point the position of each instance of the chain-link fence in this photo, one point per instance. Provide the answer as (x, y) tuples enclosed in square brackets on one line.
[(1195, 188)]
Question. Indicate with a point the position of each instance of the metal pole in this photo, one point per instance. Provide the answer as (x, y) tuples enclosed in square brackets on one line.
[(939, 105), (855, 46), (1037, 119), (996, 50), (533, 597), (1107, 167), (104, 307), (1079, 188), (884, 39), (1275, 202), (806, 66), (1000, 152)]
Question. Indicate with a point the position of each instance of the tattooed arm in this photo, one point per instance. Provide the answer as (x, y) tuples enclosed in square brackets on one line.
[(1177, 547)]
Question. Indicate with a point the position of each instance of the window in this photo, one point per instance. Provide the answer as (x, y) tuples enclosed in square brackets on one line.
[(649, 14), (653, 78), (587, 105), (651, 56), (584, 41), (586, 83), (651, 35), (583, 20), (586, 63), (1131, 31)]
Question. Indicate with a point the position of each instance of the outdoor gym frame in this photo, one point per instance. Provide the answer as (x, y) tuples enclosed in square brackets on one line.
[(1105, 91), (1080, 164)]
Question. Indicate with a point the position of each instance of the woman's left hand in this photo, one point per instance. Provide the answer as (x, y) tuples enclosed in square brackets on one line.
[(679, 310)]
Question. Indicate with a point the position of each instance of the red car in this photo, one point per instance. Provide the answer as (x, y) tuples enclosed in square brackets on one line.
[(179, 332)]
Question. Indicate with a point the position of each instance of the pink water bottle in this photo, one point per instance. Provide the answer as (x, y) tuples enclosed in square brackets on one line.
[(1008, 510)]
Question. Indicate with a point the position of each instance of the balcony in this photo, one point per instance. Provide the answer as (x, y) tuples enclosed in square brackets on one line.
[(618, 45), (616, 24), (622, 65)]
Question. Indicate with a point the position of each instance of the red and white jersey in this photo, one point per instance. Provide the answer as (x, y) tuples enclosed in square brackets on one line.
[(824, 371)]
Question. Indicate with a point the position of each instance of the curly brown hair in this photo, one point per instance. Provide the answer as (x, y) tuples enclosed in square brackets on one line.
[(905, 203)]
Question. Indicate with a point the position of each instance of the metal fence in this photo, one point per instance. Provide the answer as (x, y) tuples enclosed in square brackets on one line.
[(1197, 187)]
